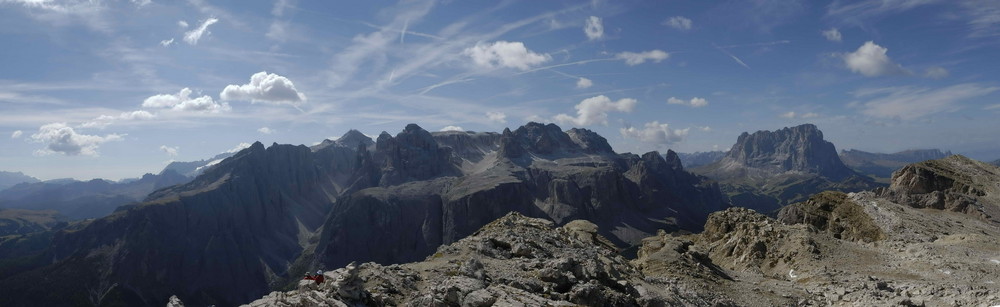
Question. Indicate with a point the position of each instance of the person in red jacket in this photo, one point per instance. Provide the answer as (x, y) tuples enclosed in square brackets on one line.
[(319, 278)]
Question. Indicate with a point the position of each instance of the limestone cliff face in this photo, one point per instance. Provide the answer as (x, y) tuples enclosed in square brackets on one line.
[(796, 149), (537, 170)]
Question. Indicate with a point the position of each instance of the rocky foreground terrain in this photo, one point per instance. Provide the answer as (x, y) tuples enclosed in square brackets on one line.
[(890, 246)]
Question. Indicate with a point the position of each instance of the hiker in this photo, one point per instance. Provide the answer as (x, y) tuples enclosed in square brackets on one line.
[(318, 277)]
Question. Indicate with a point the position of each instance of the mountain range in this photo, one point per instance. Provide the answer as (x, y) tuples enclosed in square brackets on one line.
[(872, 248), (9, 179), (267, 214), (255, 221), (84, 199)]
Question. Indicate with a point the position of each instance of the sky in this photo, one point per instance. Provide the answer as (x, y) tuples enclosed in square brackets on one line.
[(114, 89)]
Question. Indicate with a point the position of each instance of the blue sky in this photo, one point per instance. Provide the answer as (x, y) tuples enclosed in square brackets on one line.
[(114, 89)]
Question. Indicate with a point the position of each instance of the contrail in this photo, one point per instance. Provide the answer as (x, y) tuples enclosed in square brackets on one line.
[(732, 56), (402, 34)]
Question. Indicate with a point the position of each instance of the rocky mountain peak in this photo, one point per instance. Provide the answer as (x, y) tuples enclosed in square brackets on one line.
[(545, 139), (412, 154), (590, 141), (800, 148), (352, 138)]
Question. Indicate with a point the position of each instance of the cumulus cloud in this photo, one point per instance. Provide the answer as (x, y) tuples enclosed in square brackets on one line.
[(497, 117), (182, 101), (182, 24), (265, 130), (167, 42), (632, 58), (679, 23), (61, 138), (936, 72), (505, 54), (192, 37), (594, 110), (871, 60), (170, 151), (695, 102), (656, 133), (789, 114), (452, 128), (16, 134), (584, 83), (909, 103), (833, 35), (265, 87), (594, 28)]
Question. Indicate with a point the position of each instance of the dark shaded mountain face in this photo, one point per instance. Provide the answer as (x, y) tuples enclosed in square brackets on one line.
[(691, 160), (85, 199), (9, 179), (766, 170), (252, 223), (882, 165)]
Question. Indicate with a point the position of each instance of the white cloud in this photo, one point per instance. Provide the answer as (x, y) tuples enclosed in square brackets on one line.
[(705, 129), (182, 24), (16, 134), (871, 60), (497, 117), (239, 147), (265, 130), (170, 151), (105, 120), (584, 83), (505, 54), (265, 87), (833, 35), (192, 37), (656, 133), (167, 42), (594, 110), (141, 3), (61, 138), (909, 103), (452, 128), (679, 23), (182, 101), (632, 58), (793, 114), (594, 28), (936, 72), (695, 102)]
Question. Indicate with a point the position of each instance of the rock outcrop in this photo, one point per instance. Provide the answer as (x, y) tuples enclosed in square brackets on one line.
[(767, 170), (832, 212), (513, 261), (955, 183)]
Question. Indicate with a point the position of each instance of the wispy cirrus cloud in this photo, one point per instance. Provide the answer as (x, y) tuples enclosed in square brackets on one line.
[(908, 103)]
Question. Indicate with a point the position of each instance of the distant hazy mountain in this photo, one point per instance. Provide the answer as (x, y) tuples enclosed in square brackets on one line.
[(882, 165), (696, 159), (84, 199), (194, 168), (769, 169), (254, 218), (997, 162), (9, 179)]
